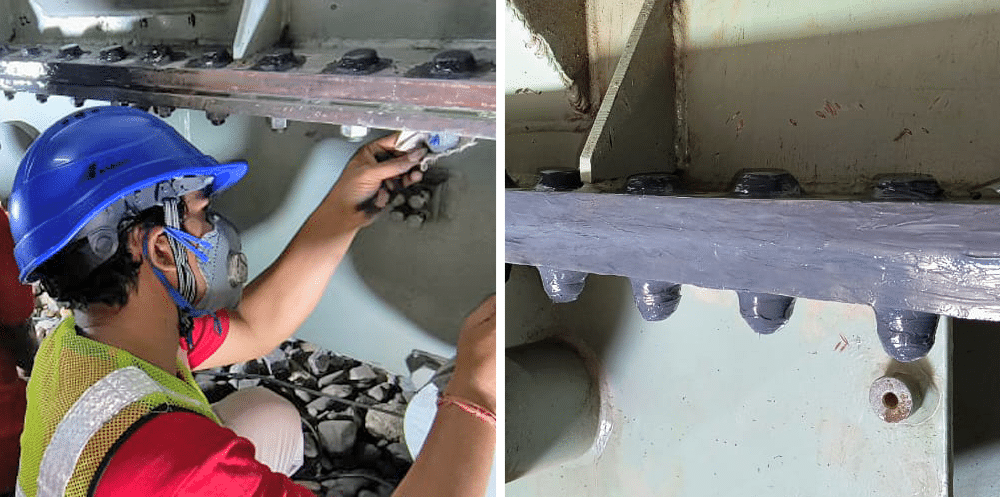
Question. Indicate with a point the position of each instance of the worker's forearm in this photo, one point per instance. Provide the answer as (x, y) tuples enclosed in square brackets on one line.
[(455, 460), (278, 301)]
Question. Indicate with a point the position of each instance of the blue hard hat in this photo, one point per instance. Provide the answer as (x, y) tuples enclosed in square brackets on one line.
[(90, 160)]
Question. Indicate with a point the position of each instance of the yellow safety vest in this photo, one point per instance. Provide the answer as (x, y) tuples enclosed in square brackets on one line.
[(83, 396)]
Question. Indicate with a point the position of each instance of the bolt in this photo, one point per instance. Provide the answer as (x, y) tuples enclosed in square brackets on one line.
[(212, 59), (905, 335), (360, 60), (164, 111), (278, 61), (9, 95), (70, 52), (656, 300), (907, 187), (114, 53), (562, 285), (41, 97), (353, 133), (415, 220), (79, 101), (35, 51), (216, 118), (508, 181), (397, 215), (651, 184), (453, 62), (765, 183), (895, 397), (279, 124), (397, 200), (162, 53), (420, 199), (558, 180), (765, 313)]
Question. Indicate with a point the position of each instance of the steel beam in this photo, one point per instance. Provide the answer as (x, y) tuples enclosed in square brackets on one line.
[(392, 98), (933, 257)]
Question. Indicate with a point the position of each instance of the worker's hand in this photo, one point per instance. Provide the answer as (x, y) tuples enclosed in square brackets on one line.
[(364, 179), (476, 364)]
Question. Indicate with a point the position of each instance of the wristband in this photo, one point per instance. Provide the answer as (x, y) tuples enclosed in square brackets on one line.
[(477, 411)]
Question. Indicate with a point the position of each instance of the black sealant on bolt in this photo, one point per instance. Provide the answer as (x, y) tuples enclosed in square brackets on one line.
[(211, 59), (906, 335), (913, 187), (558, 180), (765, 313), (562, 285), (359, 61), (656, 300)]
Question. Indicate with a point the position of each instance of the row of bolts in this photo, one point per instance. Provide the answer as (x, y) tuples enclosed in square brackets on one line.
[(448, 64), (905, 335)]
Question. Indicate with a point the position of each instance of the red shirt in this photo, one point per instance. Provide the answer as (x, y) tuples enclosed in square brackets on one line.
[(181, 453)]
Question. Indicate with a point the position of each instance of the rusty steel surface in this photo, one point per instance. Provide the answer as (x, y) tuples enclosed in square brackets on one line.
[(388, 99)]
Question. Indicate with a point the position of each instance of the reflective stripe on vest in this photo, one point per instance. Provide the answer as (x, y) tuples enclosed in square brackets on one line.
[(98, 404)]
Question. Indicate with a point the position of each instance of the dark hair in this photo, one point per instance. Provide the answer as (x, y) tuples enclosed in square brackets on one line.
[(67, 277), (20, 342)]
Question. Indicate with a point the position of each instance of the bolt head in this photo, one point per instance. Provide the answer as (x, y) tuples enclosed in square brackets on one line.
[(70, 52), (765, 183), (651, 184), (559, 180), (454, 62), (907, 187)]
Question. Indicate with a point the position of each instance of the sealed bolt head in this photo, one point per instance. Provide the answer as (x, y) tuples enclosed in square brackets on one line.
[(908, 187), (79, 101), (70, 52), (114, 53), (651, 184), (454, 62), (765, 183), (9, 95), (216, 118), (559, 180), (894, 398), (41, 97)]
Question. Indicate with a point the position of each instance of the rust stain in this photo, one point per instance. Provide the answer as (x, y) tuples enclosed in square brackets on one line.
[(842, 344), (793, 122), (821, 114), (830, 109), (904, 132), (925, 130)]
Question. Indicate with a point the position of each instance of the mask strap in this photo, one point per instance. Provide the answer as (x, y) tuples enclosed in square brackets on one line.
[(185, 276), (190, 241), (182, 303)]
